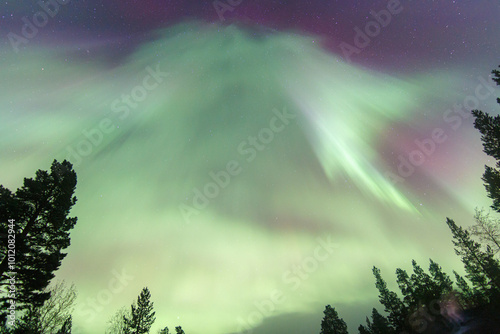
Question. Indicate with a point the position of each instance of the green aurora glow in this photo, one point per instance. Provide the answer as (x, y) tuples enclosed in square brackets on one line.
[(322, 176)]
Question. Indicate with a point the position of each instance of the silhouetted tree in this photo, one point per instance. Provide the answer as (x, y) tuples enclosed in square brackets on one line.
[(378, 325), (393, 305), (331, 323), (469, 297), (53, 316), (66, 327), (427, 288), (441, 281), (116, 325), (405, 286), (56, 310), (482, 269), (164, 331), (28, 323), (489, 127), (487, 229), (141, 316), (178, 330), (38, 218), (420, 290), (364, 330)]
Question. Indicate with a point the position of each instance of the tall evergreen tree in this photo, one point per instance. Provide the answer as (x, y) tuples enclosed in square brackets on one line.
[(331, 323), (430, 293), (489, 127), (405, 287), (441, 281), (141, 316), (393, 305), (378, 325), (38, 214), (426, 287), (179, 330), (364, 329), (482, 269), (420, 290), (469, 297)]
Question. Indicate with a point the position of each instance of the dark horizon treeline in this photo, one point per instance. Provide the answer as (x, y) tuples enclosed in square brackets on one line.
[(34, 221), (432, 302)]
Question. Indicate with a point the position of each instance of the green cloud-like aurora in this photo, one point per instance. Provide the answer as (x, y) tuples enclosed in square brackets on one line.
[(320, 176)]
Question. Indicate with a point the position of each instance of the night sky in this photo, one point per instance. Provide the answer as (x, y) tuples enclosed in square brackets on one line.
[(249, 161)]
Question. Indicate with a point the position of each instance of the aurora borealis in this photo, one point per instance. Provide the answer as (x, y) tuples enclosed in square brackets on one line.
[(245, 170)]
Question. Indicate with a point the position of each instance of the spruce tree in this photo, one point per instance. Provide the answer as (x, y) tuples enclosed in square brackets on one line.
[(393, 305), (482, 269), (141, 316), (364, 330), (380, 324), (331, 323), (440, 279), (469, 297), (427, 288), (489, 127), (405, 287)]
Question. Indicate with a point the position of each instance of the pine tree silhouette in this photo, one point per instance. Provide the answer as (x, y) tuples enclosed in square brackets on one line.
[(331, 323), (39, 210), (142, 316)]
